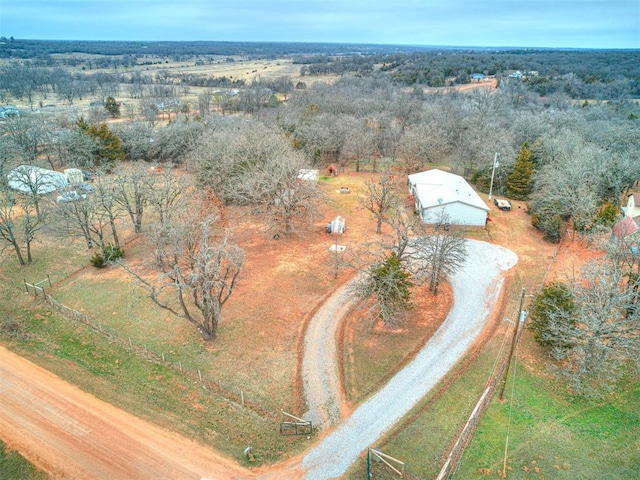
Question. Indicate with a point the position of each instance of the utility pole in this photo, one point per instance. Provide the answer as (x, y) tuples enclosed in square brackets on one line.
[(493, 172), (522, 315)]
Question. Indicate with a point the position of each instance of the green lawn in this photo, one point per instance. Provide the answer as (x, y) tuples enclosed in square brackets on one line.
[(13, 466), (561, 436), (423, 436)]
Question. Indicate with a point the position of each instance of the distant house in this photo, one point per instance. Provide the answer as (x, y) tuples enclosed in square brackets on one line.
[(8, 111), (437, 193), (516, 74), (477, 77), (35, 180), (633, 206)]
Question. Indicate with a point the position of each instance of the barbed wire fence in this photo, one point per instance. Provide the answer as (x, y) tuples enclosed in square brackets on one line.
[(232, 394), (454, 456)]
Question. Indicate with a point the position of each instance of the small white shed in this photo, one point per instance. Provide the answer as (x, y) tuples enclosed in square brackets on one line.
[(74, 176), (437, 193), (308, 174)]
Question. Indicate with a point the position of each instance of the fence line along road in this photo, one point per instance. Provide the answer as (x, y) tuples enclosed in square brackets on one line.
[(239, 397)]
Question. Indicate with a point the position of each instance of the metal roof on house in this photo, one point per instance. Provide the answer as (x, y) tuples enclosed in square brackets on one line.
[(437, 187)]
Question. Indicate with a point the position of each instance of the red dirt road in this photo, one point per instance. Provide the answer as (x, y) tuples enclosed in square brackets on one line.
[(82, 437)]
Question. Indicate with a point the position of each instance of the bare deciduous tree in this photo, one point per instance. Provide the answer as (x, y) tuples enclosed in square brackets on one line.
[(442, 253), (80, 218), (198, 268), (132, 190), (204, 102), (165, 192), (602, 331), (250, 164), (31, 224), (379, 198), (110, 209), (18, 226)]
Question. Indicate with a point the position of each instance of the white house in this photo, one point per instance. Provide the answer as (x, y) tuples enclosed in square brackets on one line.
[(437, 193), (32, 179)]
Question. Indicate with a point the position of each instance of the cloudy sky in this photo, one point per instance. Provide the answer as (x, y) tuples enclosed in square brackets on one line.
[(541, 23)]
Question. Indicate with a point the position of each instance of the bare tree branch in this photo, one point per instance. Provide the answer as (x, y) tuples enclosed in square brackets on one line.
[(197, 267)]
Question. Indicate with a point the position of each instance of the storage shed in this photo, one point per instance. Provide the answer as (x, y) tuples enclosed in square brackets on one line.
[(74, 176), (437, 193)]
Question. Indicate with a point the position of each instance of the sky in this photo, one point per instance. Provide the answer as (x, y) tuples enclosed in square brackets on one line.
[(478, 23)]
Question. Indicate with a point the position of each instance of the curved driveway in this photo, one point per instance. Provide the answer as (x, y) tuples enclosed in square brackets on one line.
[(475, 287), (75, 435)]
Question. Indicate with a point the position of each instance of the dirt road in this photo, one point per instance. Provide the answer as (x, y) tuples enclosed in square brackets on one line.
[(73, 435)]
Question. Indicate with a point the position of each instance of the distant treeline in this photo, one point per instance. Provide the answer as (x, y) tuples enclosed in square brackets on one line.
[(579, 74), (29, 49), (439, 68)]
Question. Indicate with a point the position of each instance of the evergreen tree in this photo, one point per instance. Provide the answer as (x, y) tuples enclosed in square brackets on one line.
[(554, 299), (109, 146), (519, 180), (387, 286), (112, 107)]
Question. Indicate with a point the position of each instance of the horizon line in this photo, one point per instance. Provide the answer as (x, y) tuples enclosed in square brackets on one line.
[(6, 40)]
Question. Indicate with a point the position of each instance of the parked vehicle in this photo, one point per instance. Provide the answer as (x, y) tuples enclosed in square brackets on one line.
[(504, 205), (85, 187), (71, 196)]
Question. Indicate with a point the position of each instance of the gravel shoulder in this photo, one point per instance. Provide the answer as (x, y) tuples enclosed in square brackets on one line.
[(476, 288)]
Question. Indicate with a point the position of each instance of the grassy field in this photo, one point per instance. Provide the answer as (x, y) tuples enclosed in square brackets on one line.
[(551, 434), (554, 435), (14, 467), (155, 392)]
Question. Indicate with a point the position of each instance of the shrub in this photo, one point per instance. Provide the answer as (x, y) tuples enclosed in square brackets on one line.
[(98, 261), (10, 327), (110, 253), (607, 215), (552, 306)]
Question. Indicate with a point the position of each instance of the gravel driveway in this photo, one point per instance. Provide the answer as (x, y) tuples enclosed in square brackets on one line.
[(475, 287), (320, 374)]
